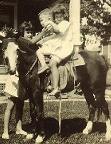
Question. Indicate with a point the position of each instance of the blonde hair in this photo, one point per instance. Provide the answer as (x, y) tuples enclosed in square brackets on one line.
[(45, 13)]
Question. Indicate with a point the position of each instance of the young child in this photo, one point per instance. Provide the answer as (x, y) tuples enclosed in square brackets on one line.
[(58, 47), (45, 17)]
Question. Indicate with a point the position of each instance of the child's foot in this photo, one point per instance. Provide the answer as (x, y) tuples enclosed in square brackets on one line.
[(43, 69), (22, 132), (5, 136), (29, 136), (54, 92)]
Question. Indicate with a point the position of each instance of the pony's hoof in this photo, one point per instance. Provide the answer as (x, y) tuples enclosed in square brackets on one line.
[(5, 136), (22, 132), (86, 131), (29, 136), (39, 139), (108, 136)]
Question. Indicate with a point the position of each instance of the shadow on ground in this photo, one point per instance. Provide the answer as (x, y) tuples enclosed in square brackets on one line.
[(68, 126)]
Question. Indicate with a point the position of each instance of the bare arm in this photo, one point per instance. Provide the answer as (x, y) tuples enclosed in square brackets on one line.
[(38, 37), (52, 25)]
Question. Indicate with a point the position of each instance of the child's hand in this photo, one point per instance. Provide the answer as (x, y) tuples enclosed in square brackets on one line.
[(49, 27)]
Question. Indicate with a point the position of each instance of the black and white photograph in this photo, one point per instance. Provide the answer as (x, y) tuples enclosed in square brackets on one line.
[(55, 71)]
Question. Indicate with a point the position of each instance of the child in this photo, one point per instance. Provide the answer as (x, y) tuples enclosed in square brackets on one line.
[(27, 44), (11, 92), (59, 47)]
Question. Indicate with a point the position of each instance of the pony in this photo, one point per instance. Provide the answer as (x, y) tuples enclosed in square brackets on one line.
[(92, 77)]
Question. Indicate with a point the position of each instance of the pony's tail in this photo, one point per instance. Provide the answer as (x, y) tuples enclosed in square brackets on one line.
[(99, 113)]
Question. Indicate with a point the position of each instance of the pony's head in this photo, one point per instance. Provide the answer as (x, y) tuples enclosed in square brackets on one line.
[(10, 56)]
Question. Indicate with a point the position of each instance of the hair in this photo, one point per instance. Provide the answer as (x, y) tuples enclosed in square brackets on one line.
[(25, 26), (59, 8), (46, 12)]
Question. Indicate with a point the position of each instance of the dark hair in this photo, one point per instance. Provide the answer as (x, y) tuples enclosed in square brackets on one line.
[(25, 26), (59, 8)]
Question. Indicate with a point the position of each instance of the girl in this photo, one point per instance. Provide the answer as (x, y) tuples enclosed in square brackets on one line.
[(28, 82), (58, 47)]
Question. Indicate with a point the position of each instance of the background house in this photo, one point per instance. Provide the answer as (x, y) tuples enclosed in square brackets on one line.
[(14, 12)]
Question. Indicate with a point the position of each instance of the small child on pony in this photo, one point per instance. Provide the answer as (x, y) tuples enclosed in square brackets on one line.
[(58, 47)]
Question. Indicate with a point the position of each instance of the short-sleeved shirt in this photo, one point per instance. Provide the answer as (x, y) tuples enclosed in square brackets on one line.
[(26, 45)]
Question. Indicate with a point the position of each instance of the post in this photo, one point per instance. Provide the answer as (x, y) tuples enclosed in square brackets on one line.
[(74, 18)]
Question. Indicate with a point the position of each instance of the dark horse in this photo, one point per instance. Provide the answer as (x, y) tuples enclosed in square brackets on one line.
[(92, 77)]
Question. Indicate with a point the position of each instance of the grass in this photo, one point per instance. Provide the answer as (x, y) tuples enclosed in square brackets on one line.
[(74, 116)]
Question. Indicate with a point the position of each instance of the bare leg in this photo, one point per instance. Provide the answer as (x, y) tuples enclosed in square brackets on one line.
[(55, 77), (19, 129), (19, 113), (8, 110), (41, 57)]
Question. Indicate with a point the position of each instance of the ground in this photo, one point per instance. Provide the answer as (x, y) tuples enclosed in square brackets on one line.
[(74, 117)]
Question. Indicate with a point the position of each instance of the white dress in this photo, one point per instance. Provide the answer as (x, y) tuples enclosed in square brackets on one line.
[(11, 86), (60, 45)]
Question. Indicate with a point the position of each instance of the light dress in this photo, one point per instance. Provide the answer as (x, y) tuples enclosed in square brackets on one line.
[(11, 86), (59, 45)]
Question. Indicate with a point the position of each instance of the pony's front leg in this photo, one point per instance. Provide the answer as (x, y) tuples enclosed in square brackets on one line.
[(89, 125)]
